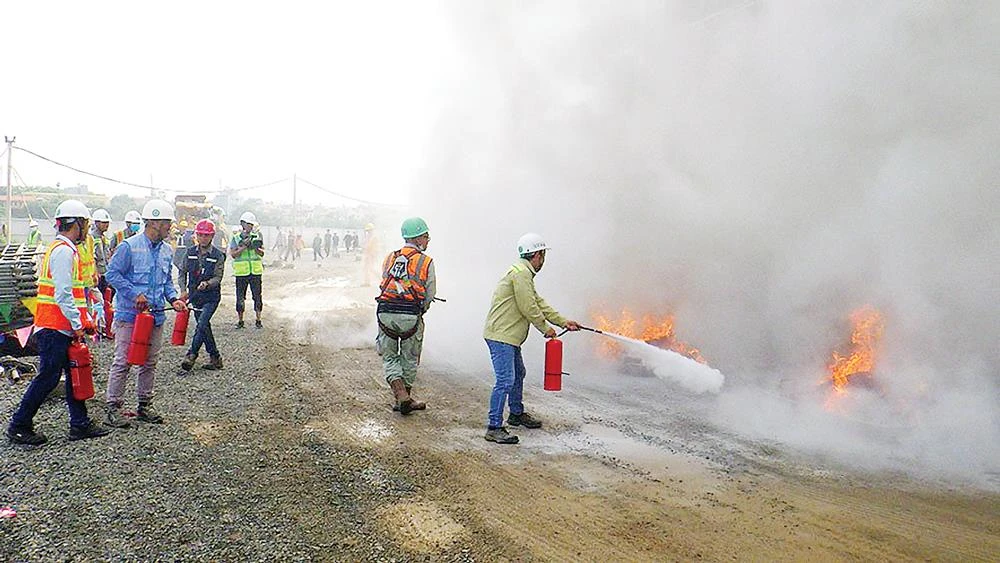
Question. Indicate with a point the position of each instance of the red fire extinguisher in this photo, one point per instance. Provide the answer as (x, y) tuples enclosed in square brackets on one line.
[(553, 365), (80, 371), (142, 332), (109, 313), (179, 335)]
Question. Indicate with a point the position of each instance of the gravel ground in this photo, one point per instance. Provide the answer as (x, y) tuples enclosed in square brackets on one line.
[(230, 476)]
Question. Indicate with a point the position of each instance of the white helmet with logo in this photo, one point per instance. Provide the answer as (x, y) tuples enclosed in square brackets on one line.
[(157, 209), (529, 243), (71, 209), (32, 223), (249, 217), (102, 215), (132, 217)]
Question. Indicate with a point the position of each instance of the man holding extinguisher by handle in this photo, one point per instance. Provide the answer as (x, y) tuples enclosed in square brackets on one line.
[(141, 273), (61, 316), (516, 306)]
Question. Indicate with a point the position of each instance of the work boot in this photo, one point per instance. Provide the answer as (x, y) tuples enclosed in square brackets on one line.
[(188, 362), (403, 401), (146, 413), (91, 430), (415, 405), (524, 419), (214, 363), (26, 436), (113, 416), (500, 436), (239, 324), (258, 324)]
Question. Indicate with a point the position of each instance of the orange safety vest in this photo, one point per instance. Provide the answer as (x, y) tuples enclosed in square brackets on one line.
[(47, 312), (404, 276)]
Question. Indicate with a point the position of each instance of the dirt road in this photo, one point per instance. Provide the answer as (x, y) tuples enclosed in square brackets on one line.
[(587, 487)]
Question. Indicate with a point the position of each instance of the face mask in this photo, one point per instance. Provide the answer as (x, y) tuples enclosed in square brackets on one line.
[(134, 228)]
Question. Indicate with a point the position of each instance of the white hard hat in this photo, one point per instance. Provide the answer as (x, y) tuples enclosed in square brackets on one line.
[(32, 223), (157, 209), (102, 215), (132, 217), (72, 208), (249, 217), (530, 243)]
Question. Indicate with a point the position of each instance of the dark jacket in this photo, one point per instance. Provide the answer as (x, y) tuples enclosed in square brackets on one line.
[(198, 268)]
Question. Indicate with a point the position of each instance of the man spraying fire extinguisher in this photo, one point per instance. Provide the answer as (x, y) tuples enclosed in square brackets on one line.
[(516, 306), (61, 316), (407, 290), (141, 273)]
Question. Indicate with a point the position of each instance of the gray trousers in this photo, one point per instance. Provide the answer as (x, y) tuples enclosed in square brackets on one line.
[(120, 367), (400, 358)]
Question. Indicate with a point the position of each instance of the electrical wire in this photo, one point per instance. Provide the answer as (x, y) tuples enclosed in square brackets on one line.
[(331, 192), (145, 187)]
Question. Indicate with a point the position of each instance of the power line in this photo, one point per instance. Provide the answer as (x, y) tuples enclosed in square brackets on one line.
[(331, 192), (124, 183)]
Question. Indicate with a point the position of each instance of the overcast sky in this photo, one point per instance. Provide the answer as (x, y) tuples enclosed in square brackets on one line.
[(192, 94)]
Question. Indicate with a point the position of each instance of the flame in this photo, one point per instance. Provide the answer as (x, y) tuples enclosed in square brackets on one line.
[(866, 335), (658, 331)]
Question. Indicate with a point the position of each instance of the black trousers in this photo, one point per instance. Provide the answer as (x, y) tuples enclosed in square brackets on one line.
[(242, 282)]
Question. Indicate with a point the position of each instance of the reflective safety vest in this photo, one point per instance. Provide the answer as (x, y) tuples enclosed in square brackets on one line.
[(404, 276), (47, 312), (34, 238), (246, 262), (88, 264)]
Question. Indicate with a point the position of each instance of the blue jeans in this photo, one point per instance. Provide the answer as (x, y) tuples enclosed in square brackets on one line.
[(53, 356), (203, 330), (508, 368)]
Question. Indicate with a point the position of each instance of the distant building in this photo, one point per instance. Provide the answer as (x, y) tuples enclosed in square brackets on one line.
[(79, 189)]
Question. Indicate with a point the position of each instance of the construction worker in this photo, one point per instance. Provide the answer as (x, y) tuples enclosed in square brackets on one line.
[(34, 237), (140, 271), (327, 241), (101, 221), (247, 251), (516, 305), (60, 317), (200, 278), (86, 248), (407, 290), (132, 220)]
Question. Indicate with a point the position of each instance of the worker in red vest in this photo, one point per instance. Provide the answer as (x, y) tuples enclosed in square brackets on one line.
[(407, 290), (61, 316)]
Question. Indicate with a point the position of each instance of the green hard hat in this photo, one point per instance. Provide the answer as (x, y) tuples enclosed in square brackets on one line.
[(414, 227)]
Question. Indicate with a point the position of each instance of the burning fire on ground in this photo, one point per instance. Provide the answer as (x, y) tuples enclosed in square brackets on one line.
[(857, 364), (658, 331)]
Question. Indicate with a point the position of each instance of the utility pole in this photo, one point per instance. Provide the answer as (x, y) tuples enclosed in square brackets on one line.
[(10, 192), (295, 180)]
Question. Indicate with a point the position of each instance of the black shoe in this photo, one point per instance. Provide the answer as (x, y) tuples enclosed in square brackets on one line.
[(524, 419), (213, 363), (91, 430), (500, 436), (188, 362), (145, 413), (258, 324), (26, 436), (240, 324)]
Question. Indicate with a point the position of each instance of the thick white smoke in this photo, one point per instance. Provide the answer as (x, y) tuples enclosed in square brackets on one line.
[(760, 172)]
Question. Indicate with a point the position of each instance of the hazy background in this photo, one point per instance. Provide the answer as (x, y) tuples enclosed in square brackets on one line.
[(760, 172)]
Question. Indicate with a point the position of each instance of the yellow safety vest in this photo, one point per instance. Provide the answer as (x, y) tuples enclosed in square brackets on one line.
[(88, 264), (247, 262)]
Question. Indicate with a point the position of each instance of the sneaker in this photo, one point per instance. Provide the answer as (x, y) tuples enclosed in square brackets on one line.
[(240, 324), (188, 363), (146, 413), (113, 416), (214, 363), (26, 436), (258, 324), (524, 419), (91, 430), (500, 436)]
